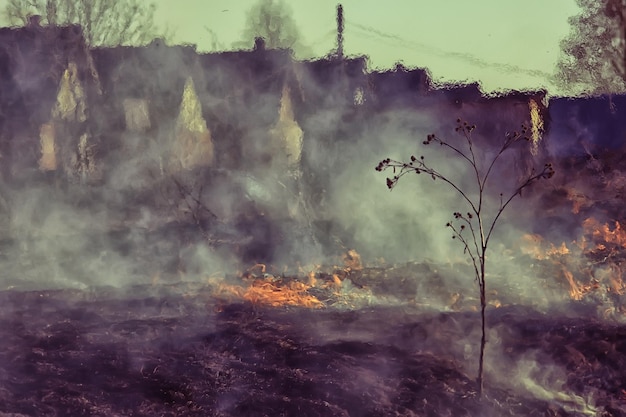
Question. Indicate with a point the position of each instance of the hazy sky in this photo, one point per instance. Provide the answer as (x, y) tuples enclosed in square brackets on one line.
[(501, 43)]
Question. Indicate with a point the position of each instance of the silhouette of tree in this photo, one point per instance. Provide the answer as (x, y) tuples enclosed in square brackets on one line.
[(104, 22), (273, 21), (594, 53)]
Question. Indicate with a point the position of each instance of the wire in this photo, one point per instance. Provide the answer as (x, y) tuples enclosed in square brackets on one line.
[(395, 40)]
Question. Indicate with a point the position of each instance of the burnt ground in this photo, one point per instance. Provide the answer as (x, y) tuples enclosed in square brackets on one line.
[(176, 350)]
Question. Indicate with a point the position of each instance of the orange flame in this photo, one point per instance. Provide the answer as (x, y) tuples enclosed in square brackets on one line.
[(292, 294), (562, 256), (533, 245), (601, 242), (265, 290), (604, 234), (576, 289), (273, 294)]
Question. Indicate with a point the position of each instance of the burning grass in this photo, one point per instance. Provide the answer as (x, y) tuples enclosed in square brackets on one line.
[(278, 290), (271, 293), (592, 265)]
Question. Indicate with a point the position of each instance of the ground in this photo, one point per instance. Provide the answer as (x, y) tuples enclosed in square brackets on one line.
[(178, 350)]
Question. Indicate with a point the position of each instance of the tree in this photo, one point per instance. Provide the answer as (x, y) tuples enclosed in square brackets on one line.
[(478, 219), (104, 22), (594, 53), (273, 21)]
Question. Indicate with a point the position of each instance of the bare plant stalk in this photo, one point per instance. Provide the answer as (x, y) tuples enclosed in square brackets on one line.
[(478, 223)]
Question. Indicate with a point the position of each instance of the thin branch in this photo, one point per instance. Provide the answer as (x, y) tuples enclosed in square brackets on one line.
[(473, 257), (510, 140), (421, 167), (546, 173)]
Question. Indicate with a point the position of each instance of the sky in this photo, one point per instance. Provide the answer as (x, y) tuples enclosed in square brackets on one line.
[(503, 44)]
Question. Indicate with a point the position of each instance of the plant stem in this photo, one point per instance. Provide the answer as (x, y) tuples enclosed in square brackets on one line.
[(483, 339)]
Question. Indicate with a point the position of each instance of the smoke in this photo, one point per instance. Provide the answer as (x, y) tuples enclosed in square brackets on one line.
[(409, 222), (193, 180), (534, 373), (243, 157)]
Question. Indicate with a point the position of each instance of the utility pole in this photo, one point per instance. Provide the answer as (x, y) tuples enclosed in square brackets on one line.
[(339, 31)]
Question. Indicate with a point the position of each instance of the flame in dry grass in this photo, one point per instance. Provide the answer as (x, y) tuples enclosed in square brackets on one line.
[(534, 246), (273, 294), (576, 290), (603, 233), (292, 294), (608, 241), (264, 289), (601, 243), (267, 289)]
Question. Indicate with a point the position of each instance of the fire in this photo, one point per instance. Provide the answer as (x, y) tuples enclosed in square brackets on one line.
[(594, 254), (604, 234), (272, 293), (533, 245), (272, 290), (579, 201), (294, 293), (266, 289), (576, 289), (609, 241)]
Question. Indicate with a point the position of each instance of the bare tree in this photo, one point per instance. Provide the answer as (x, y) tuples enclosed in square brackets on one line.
[(478, 220), (273, 21), (594, 53), (104, 22)]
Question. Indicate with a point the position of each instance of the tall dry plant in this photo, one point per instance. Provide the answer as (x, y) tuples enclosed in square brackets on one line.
[(479, 221)]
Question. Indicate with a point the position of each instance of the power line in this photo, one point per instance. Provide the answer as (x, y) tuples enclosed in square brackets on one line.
[(396, 40)]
